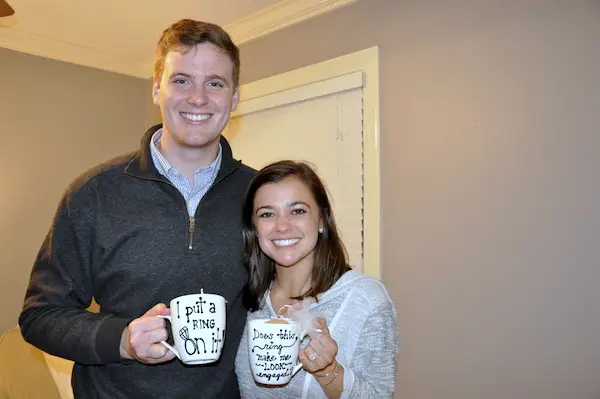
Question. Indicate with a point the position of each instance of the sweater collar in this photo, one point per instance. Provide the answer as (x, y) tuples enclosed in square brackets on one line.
[(142, 166)]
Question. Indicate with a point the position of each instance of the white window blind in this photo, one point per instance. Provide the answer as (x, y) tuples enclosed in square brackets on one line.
[(321, 124)]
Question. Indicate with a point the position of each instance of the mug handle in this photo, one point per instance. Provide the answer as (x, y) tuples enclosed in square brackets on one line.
[(165, 343), (299, 365)]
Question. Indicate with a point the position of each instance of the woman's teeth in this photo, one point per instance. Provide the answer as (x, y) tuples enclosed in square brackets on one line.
[(286, 243)]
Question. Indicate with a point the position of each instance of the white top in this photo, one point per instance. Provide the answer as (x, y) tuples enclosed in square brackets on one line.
[(362, 319)]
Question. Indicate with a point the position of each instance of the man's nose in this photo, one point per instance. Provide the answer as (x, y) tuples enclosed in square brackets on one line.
[(198, 96)]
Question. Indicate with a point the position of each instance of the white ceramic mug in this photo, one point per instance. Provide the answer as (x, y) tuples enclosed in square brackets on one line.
[(198, 326), (273, 347)]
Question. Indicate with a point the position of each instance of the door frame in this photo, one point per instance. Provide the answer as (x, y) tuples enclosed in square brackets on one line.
[(319, 80)]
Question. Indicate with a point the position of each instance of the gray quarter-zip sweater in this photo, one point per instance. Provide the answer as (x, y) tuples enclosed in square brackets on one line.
[(121, 235)]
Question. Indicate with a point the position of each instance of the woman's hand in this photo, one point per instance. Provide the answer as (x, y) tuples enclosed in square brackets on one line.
[(319, 355)]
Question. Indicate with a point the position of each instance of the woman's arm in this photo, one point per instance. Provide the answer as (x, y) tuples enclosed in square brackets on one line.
[(331, 380), (372, 371)]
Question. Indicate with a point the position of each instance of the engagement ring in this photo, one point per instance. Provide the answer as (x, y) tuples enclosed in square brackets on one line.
[(312, 356)]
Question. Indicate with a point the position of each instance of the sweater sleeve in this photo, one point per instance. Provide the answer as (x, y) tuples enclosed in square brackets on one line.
[(372, 372), (55, 316)]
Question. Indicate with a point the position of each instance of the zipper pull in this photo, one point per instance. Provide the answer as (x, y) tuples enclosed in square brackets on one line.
[(191, 230)]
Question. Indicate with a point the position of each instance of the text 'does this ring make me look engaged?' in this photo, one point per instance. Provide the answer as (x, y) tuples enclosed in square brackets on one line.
[(273, 346)]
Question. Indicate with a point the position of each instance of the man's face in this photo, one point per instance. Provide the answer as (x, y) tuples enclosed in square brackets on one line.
[(196, 96)]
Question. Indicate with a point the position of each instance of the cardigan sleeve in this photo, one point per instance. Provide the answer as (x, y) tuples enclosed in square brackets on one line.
[(372, 370)]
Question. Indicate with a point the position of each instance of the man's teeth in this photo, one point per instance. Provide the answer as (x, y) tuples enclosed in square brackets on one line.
[(286, 243), (195, 117)]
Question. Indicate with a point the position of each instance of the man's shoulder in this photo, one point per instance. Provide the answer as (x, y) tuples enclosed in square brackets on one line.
[(242, 175), (248, 171), (105, 171)]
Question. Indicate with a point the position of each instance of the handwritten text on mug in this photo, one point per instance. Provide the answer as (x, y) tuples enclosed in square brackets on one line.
[(269, 359), (199, 316)]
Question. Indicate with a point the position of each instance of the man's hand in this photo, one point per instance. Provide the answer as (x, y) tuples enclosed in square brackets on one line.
[(141, 339)]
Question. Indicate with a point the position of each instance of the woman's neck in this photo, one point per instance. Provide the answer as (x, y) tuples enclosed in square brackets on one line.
[(290, 282)]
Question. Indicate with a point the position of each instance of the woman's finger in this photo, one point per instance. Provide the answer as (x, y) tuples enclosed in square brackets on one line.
[(305, 356)]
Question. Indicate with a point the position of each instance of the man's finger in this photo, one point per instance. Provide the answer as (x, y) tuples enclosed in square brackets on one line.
[(158, 309), (159, 352), (146, 324)]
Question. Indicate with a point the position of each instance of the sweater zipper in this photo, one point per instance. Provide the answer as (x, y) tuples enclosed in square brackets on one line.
[(192, 219), (192, 227)]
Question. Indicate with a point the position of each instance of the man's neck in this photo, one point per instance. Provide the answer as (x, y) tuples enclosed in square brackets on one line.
[(188, 160)]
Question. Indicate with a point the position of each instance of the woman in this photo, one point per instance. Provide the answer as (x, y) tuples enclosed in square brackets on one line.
[(294, 253)]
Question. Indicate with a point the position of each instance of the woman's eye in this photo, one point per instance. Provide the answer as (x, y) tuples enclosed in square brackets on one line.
[(298, 211), (265, 215)]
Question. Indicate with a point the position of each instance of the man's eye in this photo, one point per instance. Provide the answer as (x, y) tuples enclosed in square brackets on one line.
[(216, 84)]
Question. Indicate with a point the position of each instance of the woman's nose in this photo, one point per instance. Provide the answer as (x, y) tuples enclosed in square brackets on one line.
[(282, 224)]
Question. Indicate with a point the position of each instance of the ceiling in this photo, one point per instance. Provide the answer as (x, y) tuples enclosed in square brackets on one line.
[(120, 35)]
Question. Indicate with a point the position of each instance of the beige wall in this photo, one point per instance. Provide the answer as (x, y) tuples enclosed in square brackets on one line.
[(56, 120), (491, 241)]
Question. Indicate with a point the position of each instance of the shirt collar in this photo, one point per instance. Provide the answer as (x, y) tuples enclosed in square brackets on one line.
[(164, 166)]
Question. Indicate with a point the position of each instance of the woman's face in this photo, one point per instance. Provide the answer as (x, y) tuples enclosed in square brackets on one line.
[(287, 221)]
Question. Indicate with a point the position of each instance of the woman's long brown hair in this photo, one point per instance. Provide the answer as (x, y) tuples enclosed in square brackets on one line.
[(330, 256)]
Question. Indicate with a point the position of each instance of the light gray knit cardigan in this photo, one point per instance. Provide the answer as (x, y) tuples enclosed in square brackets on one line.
[(362, 319)]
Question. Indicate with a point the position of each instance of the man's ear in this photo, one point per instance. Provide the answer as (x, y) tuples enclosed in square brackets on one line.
[(155, 89), (236, 99)]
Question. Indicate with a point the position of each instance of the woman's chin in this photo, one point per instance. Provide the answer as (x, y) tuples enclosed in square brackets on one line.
[(286, 262)]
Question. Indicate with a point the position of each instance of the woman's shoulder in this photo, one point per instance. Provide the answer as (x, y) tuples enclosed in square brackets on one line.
[(365, 289)]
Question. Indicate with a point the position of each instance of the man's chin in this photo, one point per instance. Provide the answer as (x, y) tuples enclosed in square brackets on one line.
[(190, 137), (201, 142)]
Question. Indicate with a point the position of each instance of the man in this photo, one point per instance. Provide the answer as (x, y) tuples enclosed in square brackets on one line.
[(144, 228)]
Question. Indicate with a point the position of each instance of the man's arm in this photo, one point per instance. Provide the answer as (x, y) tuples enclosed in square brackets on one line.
[(54, 316)]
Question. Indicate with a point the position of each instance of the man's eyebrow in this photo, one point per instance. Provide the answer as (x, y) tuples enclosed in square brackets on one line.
[(182, 74)]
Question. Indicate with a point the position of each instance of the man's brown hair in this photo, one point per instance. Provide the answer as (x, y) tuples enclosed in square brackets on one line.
[(187, 33)]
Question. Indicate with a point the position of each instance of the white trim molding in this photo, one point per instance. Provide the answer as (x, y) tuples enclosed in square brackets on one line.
[(73, 53), (342, 73), (278, 16), (268, 20), (336, 84), (271, 19)]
